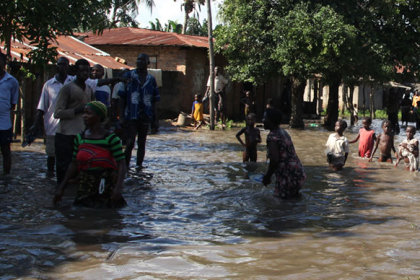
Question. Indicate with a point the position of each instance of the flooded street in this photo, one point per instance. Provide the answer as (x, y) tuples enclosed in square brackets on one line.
[(193, 213)]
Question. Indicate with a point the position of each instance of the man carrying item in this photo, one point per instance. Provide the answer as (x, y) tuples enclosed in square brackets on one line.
[(137, 107), (9, 92)]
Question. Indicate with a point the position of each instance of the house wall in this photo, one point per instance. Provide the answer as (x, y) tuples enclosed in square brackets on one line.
[(361, 95), (168, 58)]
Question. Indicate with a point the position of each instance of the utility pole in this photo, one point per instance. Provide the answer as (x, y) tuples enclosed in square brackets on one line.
[(211, 59)]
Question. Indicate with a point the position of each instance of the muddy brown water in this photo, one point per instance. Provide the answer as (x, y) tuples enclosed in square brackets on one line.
[(194, 214)]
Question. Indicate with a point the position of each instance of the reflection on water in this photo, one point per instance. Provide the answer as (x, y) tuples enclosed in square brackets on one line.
[(194, 213)]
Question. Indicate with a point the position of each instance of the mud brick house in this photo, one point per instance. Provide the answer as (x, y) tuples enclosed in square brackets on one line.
[(183, 60)]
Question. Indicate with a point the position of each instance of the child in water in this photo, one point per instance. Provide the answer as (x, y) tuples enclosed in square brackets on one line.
[(337, 147), (408, 150), (252, 138), (355, 113), (385, 141), (367, 138), (197, 111)]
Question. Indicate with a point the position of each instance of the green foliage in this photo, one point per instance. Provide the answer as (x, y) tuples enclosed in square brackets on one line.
[(350, 39), (27, 73), (228, 123), (171, 26), (190, 6), (194, 27), (246, 39), (123, 13), (313, 40), (41, 21)]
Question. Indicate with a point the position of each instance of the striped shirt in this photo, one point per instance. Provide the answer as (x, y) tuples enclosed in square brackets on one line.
[(110, 142)]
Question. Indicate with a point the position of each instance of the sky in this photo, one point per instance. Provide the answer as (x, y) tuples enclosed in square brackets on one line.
[(165, 10)]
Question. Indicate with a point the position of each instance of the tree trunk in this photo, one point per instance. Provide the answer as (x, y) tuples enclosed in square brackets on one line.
[(332, 109), (350, 100), (298, 90), (344, 97), (372, 103), (364, 100), (211, 59), (184, 28)]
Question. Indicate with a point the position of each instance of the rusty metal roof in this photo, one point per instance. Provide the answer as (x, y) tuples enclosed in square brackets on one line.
[(144, 37), (71, 48)]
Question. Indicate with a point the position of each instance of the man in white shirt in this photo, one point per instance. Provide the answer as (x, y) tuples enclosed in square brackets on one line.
[(220, 84)]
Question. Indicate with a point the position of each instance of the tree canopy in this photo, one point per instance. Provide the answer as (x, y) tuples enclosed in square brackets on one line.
[(340, 40), (124, 12), (39, 22)]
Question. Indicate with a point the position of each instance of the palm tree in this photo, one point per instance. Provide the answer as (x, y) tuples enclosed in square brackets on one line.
[(171, 26), (189, 7), (124, 12)]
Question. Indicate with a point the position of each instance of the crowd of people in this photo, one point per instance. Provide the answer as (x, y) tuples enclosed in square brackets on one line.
[(80, 149), (75, 112)]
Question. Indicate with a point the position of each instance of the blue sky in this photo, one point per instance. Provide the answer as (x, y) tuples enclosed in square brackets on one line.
[(169, 10)]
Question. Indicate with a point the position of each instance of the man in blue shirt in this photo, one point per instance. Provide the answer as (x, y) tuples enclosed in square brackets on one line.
[(9, 92), (138, 102)]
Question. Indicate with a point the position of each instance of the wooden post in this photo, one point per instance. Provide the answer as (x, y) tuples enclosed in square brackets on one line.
[(211, 59)]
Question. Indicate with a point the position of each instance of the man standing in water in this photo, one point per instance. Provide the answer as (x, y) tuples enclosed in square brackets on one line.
[(46, 106), (71, 102), (138, 102), (219, 88), (9, 92)]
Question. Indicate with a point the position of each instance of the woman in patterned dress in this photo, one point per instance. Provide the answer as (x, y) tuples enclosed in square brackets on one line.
[(284, 163)]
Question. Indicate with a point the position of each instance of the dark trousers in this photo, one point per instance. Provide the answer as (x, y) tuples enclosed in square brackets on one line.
[(139, 128), (64, 145), (393, 118)]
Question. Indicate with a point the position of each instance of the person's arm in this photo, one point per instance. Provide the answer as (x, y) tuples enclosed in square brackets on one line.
[(356, 139), (345, 158), (392, 146), (102, 82), (376, 147), (238, 136), (38, 120), (61, 111), (192, 110), (273, 155), (259, 140), (416, 149), (122, 170), (70, 174), (206, 95)]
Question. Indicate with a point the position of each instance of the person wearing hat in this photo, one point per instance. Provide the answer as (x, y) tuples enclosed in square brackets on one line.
[(98, 162)]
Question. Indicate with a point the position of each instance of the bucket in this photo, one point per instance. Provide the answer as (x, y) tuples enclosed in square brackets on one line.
[(181, 119)]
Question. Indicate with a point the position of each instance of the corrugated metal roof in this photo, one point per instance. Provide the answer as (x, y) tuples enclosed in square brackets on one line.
[(144, 37), (71, 48)]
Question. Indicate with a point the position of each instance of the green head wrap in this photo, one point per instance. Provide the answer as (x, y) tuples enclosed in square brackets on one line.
[(99, 108)]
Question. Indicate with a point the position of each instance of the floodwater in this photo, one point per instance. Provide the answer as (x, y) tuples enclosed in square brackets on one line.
[(194, 214)]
